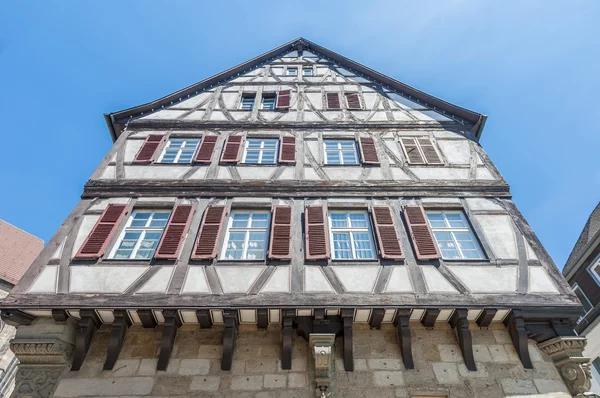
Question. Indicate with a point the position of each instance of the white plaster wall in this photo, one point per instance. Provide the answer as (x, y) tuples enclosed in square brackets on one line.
[(315, 281), (487, 279), (159, 281), (46, 280), (132, 147), (540, 282), (351, 173), (483, 204), (101, 279), (102, 204), (195, 281), (440, 173), (192, 102), (455, 151), (109, 173), (165, 114), (87, 223), (435, 281), (156, 172), (499, 232), (484, 174), (399, 281), (255, 173), (357, 278), (279, 282), (238, 279)]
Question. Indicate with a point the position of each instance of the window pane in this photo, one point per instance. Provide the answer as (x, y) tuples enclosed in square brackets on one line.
[(123, 253), (338, 220), (252, 157), (331, 145), (333, 157), (584, 300), (159, 220), (270, 144), (362, 245), (235, 244), (259, 220), (140, 219), (240, 220), (341, 245), (268, 157), (349, 157), (436, 220), (358, 220)]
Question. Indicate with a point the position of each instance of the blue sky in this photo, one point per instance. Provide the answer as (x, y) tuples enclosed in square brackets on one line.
[(532, 66)]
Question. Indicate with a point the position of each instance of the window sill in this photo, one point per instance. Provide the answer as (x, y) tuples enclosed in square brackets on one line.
[(345, 261)]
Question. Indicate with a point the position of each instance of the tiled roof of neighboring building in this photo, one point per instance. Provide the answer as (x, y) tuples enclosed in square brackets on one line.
[(18, 249), (592, 227)]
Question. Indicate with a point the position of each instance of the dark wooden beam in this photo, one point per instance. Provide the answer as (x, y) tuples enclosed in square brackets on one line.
[(485, 317), (231, 320), (88, 324), (147, 318), (347, 319), (516, 328), (460, 323), (60, 315), (376, 318), (429, 317), (402, 323), (117, 335), (172, 323), (319, 313), (204, 319), (15, 317), (263, 318), (287, 340)]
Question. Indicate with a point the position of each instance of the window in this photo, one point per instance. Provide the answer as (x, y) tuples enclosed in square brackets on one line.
[(594, 269), (454, 236), (340, 152), (246, 237), (350, 235), (179, 150), (141, 235), (596, 363), (247, 101), (587, 305), (261, 151), (291, 71), (268, 102), (307, 71), (420, 150)]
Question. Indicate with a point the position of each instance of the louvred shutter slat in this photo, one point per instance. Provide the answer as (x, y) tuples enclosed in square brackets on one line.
[(148, 150), (387, 236), (288, 150), (207, 147), (333, 101), (353, 101), (423, 241), (431, 155), (412, 151), (283, 99), (281, 233), (368, 150), (175, 232), (208, 236), (231, 153), (317, 244), (95, 244)]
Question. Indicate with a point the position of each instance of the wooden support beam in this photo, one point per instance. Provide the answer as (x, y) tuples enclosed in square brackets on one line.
[(319, 314), (263, 318), (117, 335), (347, 319), (485, 317), (376, 318), (516, 328), (172, 323), (402, 323), (88, 324), (460, 323), (231, 320), (60, 315), (429, 317), (287, 341), (16, 318), (204, 319), (147, 318)]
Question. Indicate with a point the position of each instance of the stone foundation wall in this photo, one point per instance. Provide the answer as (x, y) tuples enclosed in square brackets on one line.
[(195, 366)]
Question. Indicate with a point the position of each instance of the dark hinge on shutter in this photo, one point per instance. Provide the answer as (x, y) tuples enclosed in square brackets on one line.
[(281, 233), (207, 147), (411, 150), (431, 155), (175, 232), (333, 101), (231, 153), (387, 236), (208, 236), (148, 150), (283, 99), (353, 101), (95, 244), (288, 150), (368, 150), (423, 241), (317, 242)]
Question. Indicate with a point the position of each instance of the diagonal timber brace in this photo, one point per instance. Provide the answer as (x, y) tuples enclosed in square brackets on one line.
[(230, 317), (402, 323), (460, 323), (117, 335), (88, 324), (170, 326)]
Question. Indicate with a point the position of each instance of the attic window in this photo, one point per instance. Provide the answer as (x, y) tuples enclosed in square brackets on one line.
[(247, 101), (307, 71), (292, 71), (268, 102)]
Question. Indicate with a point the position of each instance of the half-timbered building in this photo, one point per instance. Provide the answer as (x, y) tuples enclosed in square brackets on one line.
[(298, 225)]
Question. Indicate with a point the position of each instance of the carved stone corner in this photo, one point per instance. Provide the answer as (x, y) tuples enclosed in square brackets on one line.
[(321, 345), (567, 355)]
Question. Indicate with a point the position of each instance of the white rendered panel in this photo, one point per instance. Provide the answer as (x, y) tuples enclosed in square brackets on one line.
[(399, 280), (106, 316), (238, 279), (487, 279), (159, 281), (189, 316), (416, 315), (46, 280), (86, 279), (540, 282), (315, 281), (247, 316), (435, 281), (195, 281), (357, 278), (278, 282), (362, 316), (498, 230)]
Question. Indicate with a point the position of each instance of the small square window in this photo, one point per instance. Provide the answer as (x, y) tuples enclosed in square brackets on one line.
[(179, 150), (261, 151), (268, 102), (340, 152), (247, 235), (453, 235), (247, 103), (141, 235), (350, 235), (292, 71), (307, 71)]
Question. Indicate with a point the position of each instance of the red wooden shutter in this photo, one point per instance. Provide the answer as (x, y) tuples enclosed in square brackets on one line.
[(317, 242), (333, 101), (231, 153), (281, 233), (175, 231), (283, 99), (206, 149), (353, 101), (431, 155), (368, 151), (288, 150), (387, 236), (95, 244), (425, 246), (411, 150), (208, 236), (148, 150)]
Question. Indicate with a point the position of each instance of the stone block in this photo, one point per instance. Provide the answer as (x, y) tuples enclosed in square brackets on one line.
[(490, 386), (270, 351), (246, 382), (293, 394), (421, 375), (360, 365), (123, 368), (275, 381), (355, 379), (446, 373), (388, 378), (171, 385), (192, 367), (544, 370), (265, 365), (450, 353), (297, 380), (502, 336), (401, 393), (483, 337), (426, 353), (367, 393), (210, 352), (266, 394), (512, 386), (534, 353), (359, 350), (205, 383), (149, 351), (498, 353), (550, 386), (385, 364), (187, 351), (511, 351), (147, 367), (480, 372), (481, 353), (245, 352), (118, 386)]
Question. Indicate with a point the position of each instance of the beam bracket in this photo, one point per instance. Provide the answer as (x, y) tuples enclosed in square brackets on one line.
[(429, 317), (117, 335), (172, 323), (231, 320), (460, 324), (347, 319), (376, 318), (402, 323), (288, 338), (516, 328), (486, 317), (88, 324), (147, 318), (204, 319)]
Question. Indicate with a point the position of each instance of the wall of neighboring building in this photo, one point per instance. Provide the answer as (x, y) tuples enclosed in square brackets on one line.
[(592, 350)]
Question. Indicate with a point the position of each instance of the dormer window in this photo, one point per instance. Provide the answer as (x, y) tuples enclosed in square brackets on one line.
[(293, 71), (247, 103)]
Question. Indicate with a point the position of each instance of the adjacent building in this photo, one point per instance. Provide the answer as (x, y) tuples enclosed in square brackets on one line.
[(296, 226)]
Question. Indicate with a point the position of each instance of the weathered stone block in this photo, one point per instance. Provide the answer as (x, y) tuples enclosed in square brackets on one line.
[(205, 383), (511, 386), (275, 381), (297, 380), (147, 367), (210, 352), (360, 365), (190, 367), (385, 364), (246, 382), (388, 378), (550, 386), (450, 353), (118, 386), (481, 353), (446, 373), (480, 372), (355, 379), (502, 336), (367, 393), (498, 353), (171, 385), (265, 365)]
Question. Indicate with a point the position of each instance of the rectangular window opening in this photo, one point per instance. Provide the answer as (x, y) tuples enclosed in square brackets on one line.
[(340, 152), (179, 150), (594, 269), (247, 103), (587, 305), (307, 71), (268, 102), (291, 71), (261, 151), (350, 235), (247, 234), (142, 233), (454, 236)]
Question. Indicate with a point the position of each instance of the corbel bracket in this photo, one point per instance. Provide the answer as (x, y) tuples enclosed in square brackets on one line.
[(460, 323), (88, 324), (429, 317), (376, 318), (486, 317), (15, 317), (204, 319), (402, 323), (516, 328), (172, 323), (147, 318), (263, 318), (117, 335), (287, 340), (230, 317), (347, 319), (60, 315)]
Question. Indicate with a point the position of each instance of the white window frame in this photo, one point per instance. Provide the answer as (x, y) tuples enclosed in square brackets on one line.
[(340, 152), (247, 231), (289, 68), (261, 150), (577, 287), (591, 269), (144, 230), (272, 96), (451, 230), (308, 68), (350, 230), (247, 95), (180, 150)]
